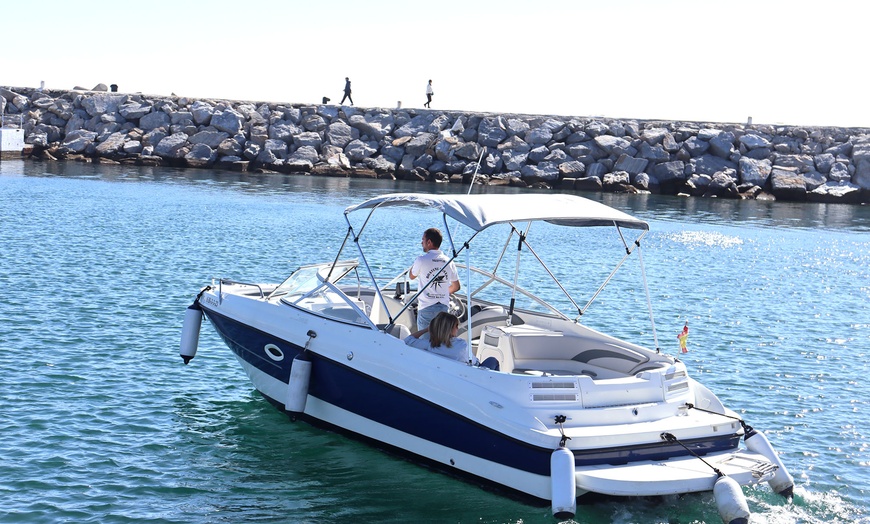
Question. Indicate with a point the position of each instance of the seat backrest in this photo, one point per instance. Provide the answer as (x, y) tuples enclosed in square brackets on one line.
[(400, 331), (487, 316)]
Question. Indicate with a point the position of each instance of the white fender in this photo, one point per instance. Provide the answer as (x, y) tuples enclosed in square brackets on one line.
[(730, 501), (782, 481), (297, 386), (190, 332), (563, 483)]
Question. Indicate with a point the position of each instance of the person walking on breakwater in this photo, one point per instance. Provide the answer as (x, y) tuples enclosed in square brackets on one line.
[(429, 93), (347, 91), (430, 267)]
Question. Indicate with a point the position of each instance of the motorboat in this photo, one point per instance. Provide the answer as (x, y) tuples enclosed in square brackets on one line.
[(544, 406)]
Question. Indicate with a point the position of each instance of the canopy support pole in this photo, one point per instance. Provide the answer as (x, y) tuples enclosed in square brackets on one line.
[(648, 301)]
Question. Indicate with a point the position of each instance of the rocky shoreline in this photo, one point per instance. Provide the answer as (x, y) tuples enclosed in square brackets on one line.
[(820, 164)]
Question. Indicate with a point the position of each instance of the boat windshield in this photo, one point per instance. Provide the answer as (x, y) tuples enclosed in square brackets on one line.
[(307, 278), (313, 288)]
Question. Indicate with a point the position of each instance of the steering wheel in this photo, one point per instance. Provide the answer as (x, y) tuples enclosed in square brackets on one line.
[(457, 307)]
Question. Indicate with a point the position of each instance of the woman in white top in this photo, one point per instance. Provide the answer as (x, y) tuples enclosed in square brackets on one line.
[(440, 338), (429, 93)]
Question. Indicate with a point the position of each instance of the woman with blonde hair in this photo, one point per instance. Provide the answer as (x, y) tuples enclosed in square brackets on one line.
[(440, 338)]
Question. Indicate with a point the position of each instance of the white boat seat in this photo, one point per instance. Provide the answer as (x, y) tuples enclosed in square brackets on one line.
[(486, 316), (524, 348), (624, 360), (400, 331)]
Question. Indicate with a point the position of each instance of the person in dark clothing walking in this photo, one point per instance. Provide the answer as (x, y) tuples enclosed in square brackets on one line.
[(347, 91)]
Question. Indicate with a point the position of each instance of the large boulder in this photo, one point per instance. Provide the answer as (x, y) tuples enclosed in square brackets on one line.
[(134, 110), (308, 139), (611, 144), (572, 169), (227, 120), (670, 172), (723, 184), (755, 172), (154, 120), (211, 138), (340, 134), (839, 173), (513, 160), (305, 154), (419, 144), (695, 146), (861, 159), (833, 192), (801, 163), (589, 183), (515, 143), (787, 184), (722, 144), (171, 146), (357, 150), (654, 135), (112, 144), (200, 155), (284, 130), (618, 182), (653, 153), (711, 164), (231, 147), (79, 140), (539, 136), (444, 149), (515, 126), (540, 173), (276, 147), (468, 150), (824, 162), (380, 165), (314, 123), (630, 164), (132, 147), (418, 124), (202, 112), (538, 154), (491, 132), (100, 104)]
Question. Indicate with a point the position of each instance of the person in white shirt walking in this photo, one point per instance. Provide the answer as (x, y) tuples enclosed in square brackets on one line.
[(430, 267), (429, 93)]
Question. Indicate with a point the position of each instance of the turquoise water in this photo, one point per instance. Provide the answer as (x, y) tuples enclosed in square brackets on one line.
[(103, 423)]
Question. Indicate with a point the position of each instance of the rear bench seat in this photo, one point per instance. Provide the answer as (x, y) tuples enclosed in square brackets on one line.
[(527, 348)]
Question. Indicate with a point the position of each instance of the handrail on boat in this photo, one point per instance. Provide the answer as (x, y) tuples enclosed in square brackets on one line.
[(234, 282)]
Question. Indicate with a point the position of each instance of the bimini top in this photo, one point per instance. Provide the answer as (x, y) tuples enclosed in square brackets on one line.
[(481, 211)]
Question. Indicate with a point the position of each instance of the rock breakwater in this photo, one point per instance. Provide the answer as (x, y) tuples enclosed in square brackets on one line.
[(823, 164)]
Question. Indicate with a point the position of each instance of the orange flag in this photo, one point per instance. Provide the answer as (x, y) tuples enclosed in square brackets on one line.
[(684, 334)]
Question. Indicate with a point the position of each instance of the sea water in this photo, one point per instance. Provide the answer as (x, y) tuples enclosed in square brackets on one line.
[(101, 421)]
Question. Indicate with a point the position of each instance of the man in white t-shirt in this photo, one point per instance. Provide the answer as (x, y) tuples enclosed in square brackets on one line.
[(436, 297)]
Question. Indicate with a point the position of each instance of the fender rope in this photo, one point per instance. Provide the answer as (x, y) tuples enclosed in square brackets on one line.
[(565, 438), (746, 427), (669, 437)]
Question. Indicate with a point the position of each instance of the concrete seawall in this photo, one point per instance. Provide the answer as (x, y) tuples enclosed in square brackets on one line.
[(822, 164)]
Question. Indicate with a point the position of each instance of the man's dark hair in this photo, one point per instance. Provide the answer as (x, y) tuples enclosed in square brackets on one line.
[(434, 235)]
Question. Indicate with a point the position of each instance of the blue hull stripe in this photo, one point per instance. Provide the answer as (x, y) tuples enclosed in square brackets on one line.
[(383, 403)]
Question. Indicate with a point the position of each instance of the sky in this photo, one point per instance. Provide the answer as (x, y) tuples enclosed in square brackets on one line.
[(779, 62)]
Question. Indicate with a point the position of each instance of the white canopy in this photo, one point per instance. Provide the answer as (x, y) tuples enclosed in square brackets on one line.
[(481, 211)]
